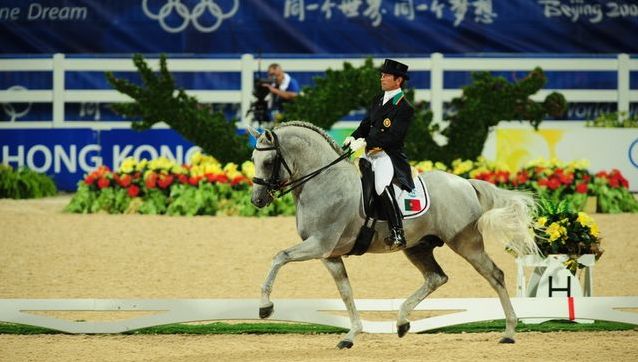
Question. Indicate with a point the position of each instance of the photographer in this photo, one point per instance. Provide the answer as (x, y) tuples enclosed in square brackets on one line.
[(283, 89)]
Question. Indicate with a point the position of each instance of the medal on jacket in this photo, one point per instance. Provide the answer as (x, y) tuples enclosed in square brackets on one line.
[(387, 123)]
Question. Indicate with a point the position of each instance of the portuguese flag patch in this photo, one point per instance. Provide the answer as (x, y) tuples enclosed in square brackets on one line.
[(412, 204)]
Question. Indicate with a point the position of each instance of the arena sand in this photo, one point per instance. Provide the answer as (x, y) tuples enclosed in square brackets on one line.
[(50, 254)]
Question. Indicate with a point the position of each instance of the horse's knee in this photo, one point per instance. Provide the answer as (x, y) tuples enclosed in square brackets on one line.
[(280, 258)]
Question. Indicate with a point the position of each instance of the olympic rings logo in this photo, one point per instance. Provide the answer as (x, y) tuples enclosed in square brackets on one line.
[(190, 16), (10, 110)]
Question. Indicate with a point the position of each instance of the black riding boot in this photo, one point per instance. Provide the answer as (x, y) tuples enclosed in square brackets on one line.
[(395, 219)]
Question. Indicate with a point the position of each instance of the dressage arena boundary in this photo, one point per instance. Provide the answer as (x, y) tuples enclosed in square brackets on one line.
[(317, 311)]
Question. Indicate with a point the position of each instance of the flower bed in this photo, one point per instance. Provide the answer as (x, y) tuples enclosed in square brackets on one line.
[(160, 186), (205, 187), (553, 180)]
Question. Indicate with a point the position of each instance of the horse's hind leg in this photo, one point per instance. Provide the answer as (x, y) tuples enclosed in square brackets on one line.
[(469, 244), (338, 272), (422, 257)]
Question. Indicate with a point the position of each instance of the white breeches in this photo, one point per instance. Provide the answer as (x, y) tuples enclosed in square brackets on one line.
[(383, 170)]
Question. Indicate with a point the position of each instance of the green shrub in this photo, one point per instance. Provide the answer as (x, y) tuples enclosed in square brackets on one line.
[(614, 120), (158, 100), (24, 184), (483, 104)]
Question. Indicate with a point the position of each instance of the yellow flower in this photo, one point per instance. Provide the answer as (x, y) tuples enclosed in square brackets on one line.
[(555, 231), (593, 228), (248, 168), (141, 165), (580, 164), (440, 166), (178, 169), (424, 166), (196, 158), (197, 170), (540, 222), (128, 165), (160, 163), (213, 168), (462, 167), (584, 219)]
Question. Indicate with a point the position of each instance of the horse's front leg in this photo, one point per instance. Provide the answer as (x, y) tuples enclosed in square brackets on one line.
[(310, 248), (338, 272)]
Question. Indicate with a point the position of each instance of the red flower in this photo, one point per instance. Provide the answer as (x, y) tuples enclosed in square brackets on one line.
[(182, 178), (614, 183), (237, 180), (124, 180), (502, 176), (553, 183), (566, 179), (582, 188), (165, 181), (103, 182), (521, 178), (90, 179), (194, 180), (151, 180), (133, 191)]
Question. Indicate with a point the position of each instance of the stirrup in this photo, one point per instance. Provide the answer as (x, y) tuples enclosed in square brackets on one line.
[(396, 240)]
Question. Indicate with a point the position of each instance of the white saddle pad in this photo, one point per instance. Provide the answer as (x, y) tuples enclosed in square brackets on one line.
[(414, 203)]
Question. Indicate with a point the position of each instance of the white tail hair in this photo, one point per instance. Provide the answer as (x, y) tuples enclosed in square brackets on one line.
[(507, 218)]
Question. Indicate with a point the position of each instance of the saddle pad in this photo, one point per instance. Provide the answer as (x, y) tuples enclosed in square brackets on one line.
[(414, 203)]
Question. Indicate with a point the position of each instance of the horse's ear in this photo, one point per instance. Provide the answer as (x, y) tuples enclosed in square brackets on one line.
[(269, 136), (254, 132)]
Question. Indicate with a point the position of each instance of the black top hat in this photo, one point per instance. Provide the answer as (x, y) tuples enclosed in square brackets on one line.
[(395, 68)]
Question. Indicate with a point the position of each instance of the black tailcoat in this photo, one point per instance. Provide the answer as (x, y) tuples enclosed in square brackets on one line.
[(386, 126)]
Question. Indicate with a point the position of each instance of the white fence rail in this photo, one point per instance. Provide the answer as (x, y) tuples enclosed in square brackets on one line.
[(247, 65), (318, 311)]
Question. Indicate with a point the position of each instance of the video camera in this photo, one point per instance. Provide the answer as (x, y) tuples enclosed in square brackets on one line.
[(259, 108)]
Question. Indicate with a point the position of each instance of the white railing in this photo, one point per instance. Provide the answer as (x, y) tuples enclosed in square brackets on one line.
[(318, 311), (247, 65)]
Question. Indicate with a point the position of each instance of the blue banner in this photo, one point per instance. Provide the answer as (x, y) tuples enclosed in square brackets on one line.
[(318, 26), (68, 154)]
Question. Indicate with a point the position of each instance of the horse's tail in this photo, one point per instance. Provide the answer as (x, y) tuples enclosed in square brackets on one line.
[(507, 217)]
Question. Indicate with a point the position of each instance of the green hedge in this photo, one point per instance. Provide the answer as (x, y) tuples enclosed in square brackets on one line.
[(24, 184)]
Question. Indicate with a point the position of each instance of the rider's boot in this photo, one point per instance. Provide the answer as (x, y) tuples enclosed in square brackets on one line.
[(395, 219)]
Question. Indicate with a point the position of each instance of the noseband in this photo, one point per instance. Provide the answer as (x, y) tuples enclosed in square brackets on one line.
[(276, 185)]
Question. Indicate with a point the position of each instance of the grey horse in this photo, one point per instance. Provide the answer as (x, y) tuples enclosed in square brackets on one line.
[(463, 215)]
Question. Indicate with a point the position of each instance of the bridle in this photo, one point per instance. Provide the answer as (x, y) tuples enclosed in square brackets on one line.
[(277, 187)]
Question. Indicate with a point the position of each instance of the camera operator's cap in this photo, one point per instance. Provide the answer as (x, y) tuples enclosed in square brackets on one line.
[(395, 68)]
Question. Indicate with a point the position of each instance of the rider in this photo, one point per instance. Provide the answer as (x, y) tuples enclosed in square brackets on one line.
[(383, 133)]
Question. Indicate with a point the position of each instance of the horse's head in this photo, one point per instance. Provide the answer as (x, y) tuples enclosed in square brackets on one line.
[(269, 173)]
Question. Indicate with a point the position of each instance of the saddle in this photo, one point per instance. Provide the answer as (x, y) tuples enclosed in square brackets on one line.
[(412, 204)]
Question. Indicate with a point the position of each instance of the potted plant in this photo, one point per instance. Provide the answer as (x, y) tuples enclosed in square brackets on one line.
[(568, 240)]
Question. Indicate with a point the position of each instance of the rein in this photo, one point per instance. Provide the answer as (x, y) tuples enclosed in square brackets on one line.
[(274, 184)]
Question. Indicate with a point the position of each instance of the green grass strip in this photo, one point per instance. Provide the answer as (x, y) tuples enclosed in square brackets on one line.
[(549, 326), (282, 328)]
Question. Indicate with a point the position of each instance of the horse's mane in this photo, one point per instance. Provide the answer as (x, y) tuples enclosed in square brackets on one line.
[(311, 126)]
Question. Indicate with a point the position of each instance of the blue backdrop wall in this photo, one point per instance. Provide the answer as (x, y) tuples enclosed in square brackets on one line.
[(318, 26)]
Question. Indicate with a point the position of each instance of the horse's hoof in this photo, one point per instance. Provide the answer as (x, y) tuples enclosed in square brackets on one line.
[(345, 344), (403, 329), (507, 340), (265, 312)]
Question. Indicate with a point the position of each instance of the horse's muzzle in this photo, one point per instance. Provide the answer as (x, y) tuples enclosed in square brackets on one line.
[(261, 200)]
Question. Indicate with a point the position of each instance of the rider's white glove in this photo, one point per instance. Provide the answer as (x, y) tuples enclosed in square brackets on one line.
[(348, 140), (357, 144)]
